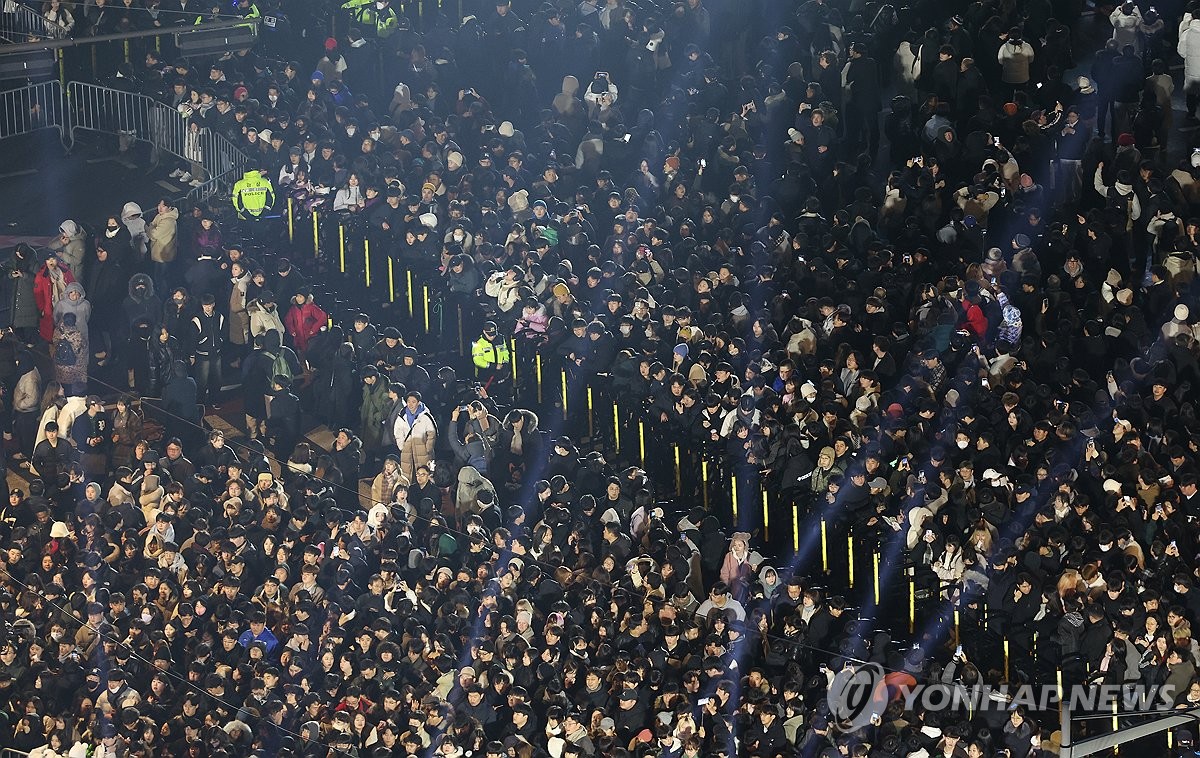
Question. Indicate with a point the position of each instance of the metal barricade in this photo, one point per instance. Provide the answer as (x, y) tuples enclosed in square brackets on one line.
[(20, 23), (29, 109), (110, 111), (135, 117)]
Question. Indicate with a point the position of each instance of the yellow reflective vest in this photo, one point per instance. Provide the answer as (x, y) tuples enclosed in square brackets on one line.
[(252, 194), (487, 354)]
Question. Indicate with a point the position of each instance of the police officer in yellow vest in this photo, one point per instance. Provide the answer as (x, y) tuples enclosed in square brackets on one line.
[(252, 195), (490, 354), (376, 15)]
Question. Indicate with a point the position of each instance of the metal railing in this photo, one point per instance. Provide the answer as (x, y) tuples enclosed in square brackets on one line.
[(138, 118), (29, 109), (20, 23)]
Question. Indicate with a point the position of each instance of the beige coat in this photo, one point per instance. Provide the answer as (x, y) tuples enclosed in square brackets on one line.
[(239, 318), (164, 240), (415, 442)]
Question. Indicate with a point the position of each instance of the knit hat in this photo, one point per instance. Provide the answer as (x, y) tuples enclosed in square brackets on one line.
[(561, 290), (506, 129), (518, 201), (1125, 140), (1181, 312), (1085, 86), (454, 159), (429, 220)]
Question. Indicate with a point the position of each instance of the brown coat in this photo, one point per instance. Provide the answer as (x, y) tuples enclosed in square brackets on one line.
[(239, 317)]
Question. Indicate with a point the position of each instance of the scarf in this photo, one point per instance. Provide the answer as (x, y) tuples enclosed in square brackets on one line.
[(58, 284)]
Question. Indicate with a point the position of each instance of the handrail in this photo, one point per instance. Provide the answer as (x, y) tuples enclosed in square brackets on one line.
[(21, 23), (56, 44), (137, 117)]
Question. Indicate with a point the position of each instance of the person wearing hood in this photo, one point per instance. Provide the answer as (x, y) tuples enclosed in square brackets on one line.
[(70, 244), (75, 301), (415, 433), (135, 225), (50, 286), (163, 234), (18, 301), (141, 303)]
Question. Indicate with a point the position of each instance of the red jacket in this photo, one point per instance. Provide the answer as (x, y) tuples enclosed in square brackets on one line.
[(44, 300), (303, 322), (975, 320)]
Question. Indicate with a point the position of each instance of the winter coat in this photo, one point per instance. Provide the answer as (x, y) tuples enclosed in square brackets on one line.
[(239, 319), (71, 251), (470, 484), (1189, 49), (1015, 61), (70, 374), (383, 486), (18, 304), (264, 319), (373, 413), (131, 216), (415, 437), (141, 303), (106, 283), (1127, 28), (164, 236), (81, 308), (303, 322), (47, 290)]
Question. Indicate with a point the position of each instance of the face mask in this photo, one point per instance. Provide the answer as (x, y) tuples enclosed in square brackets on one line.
[(350, 131), (1195, 160), (458, 236), (626, 329), (146, 618), (962, 444), (56, 636), (273, 98), (376, 134)]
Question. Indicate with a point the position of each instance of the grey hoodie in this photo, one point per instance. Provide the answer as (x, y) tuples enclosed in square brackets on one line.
[(71, 250), (81, 307)]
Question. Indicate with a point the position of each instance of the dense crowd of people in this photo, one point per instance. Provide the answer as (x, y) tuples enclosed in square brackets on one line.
[(960, 325)]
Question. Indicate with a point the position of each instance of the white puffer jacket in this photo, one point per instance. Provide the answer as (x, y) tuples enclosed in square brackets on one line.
[(1189, 48)]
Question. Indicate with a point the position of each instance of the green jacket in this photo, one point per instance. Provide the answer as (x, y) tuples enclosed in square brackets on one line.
[(374, 411), (252, 194)]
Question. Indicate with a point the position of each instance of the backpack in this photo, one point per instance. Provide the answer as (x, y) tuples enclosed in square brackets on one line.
[(64, 354), (280, 366)]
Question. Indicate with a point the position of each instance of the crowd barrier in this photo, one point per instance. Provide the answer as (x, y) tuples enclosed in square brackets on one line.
[(20, 23), (130, 116), (135, 117), (29, 109)]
